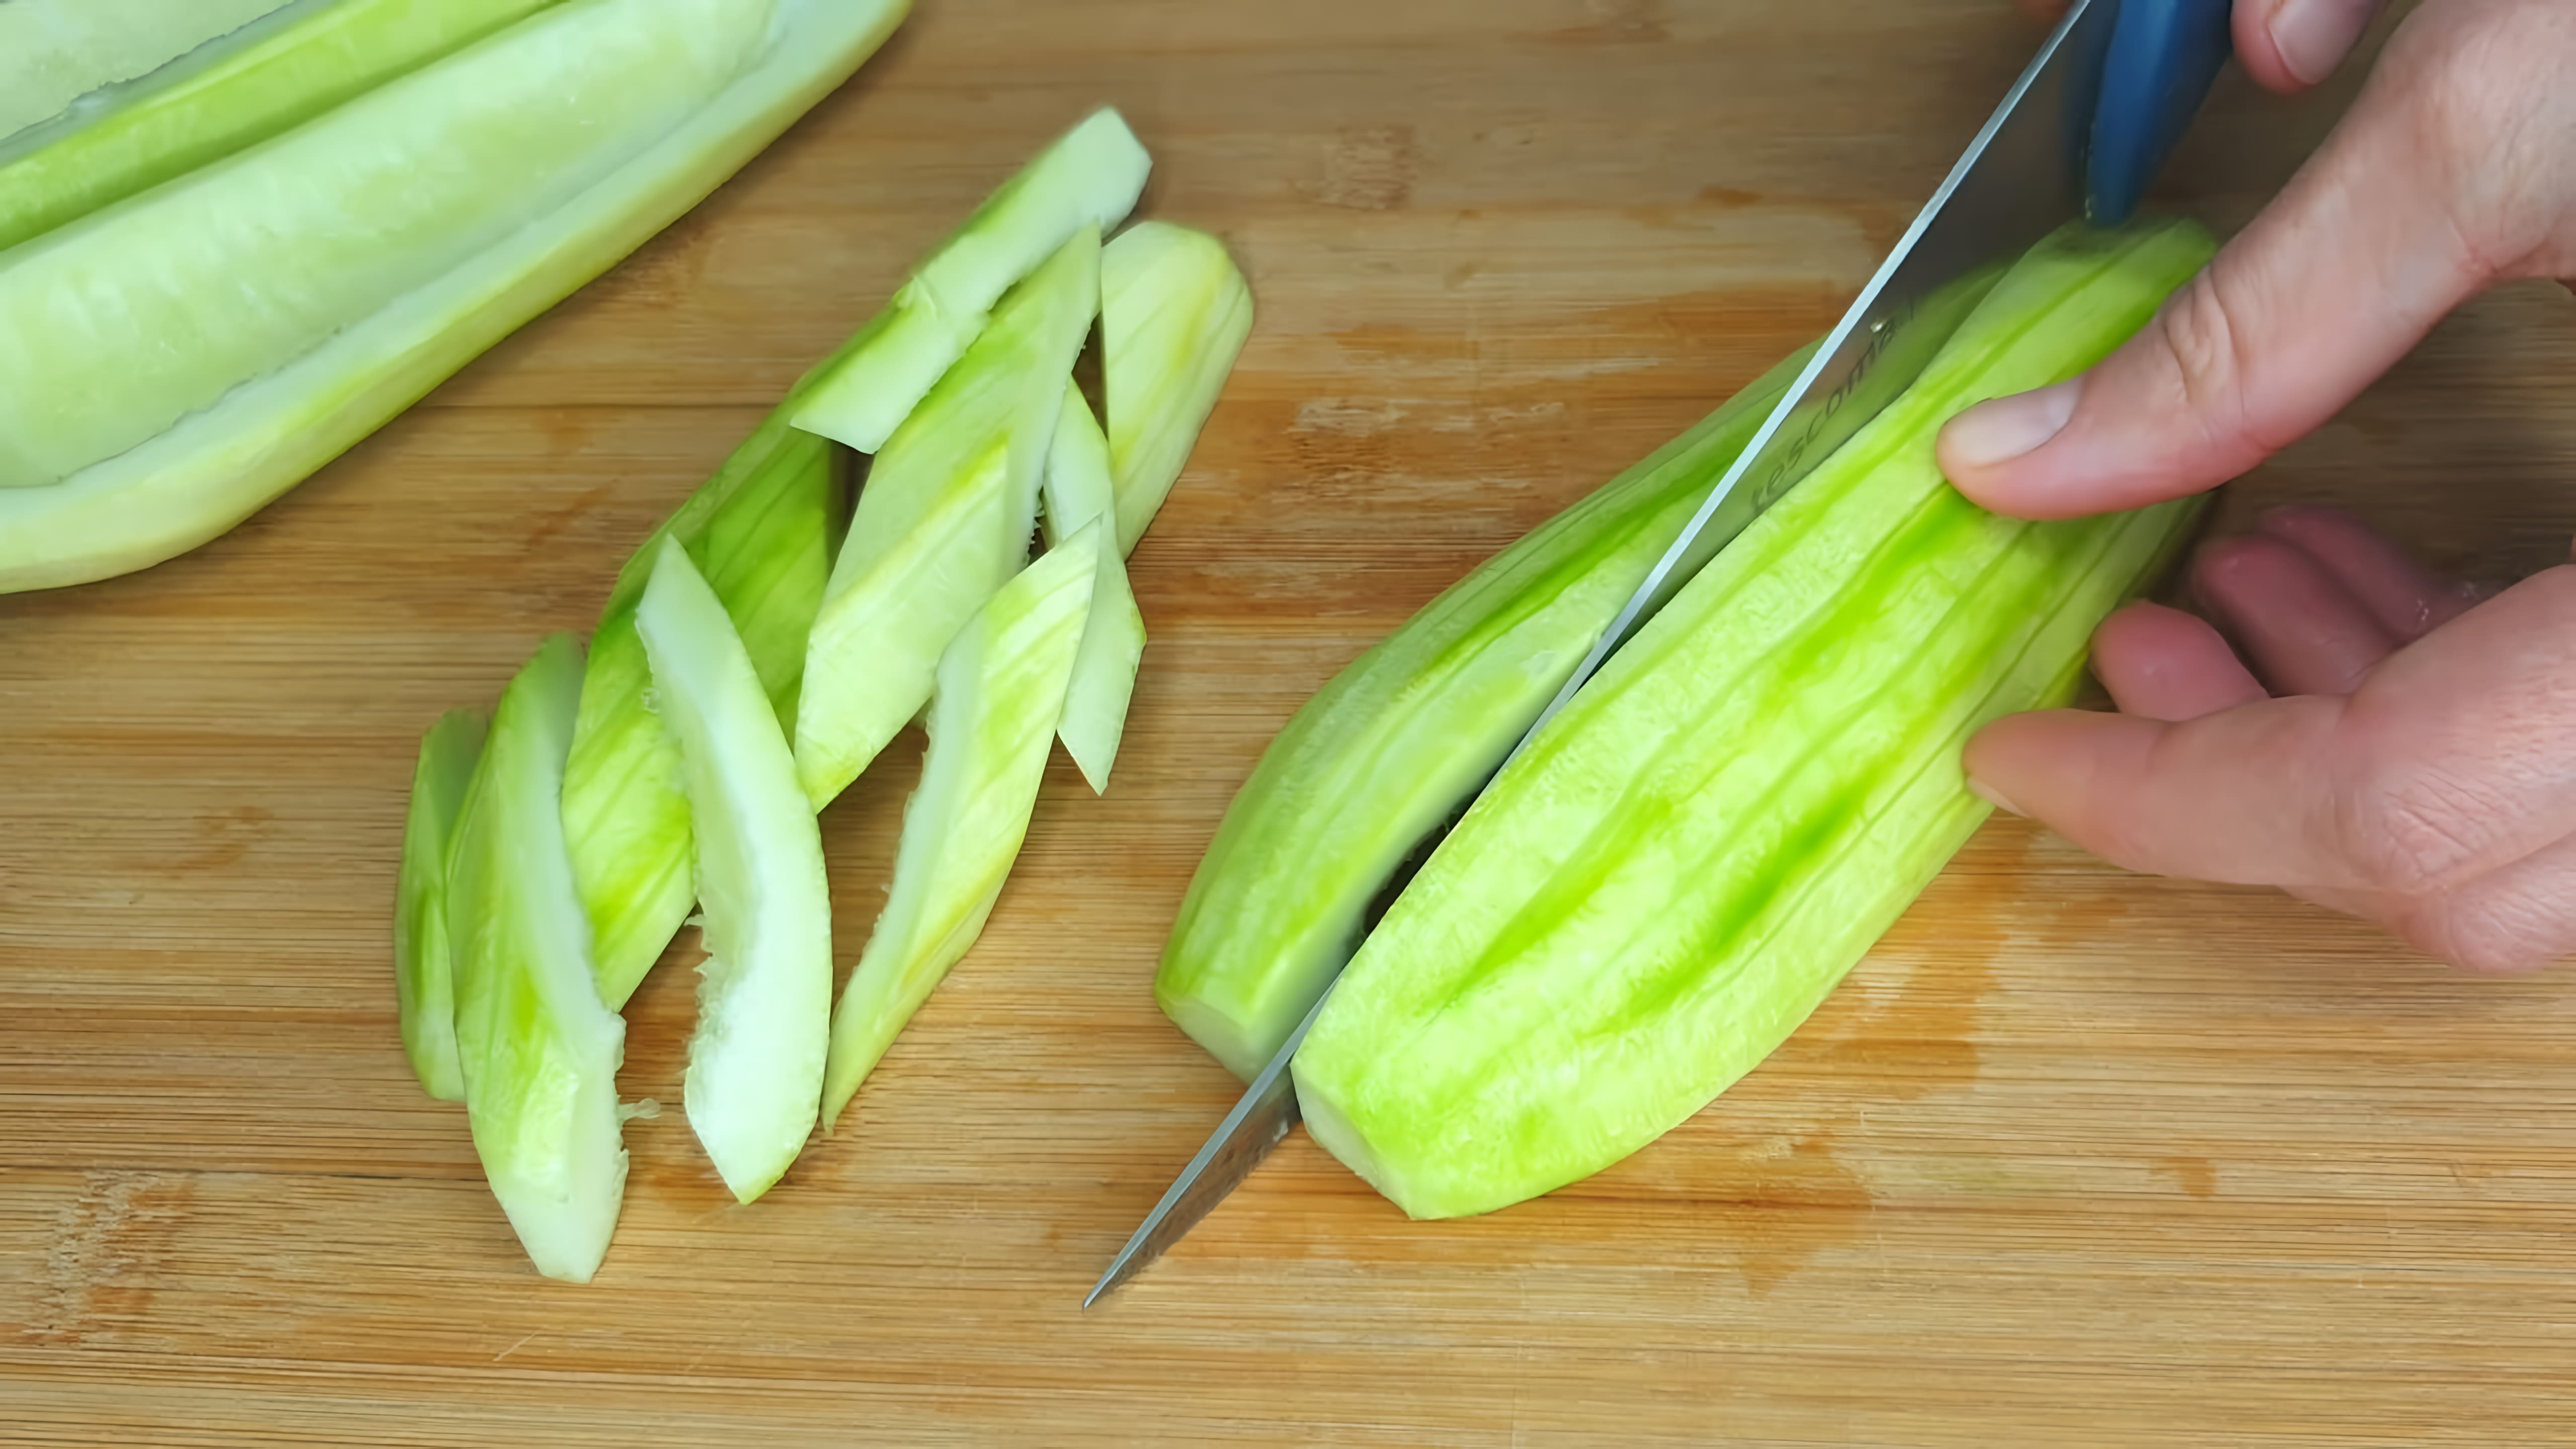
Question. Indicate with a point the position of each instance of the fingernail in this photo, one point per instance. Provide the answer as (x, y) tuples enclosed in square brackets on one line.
[(2009, 427), (1992, 796), (2313, 36)]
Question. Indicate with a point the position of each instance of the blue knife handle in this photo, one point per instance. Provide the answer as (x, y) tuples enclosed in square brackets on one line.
[(2163, 56)]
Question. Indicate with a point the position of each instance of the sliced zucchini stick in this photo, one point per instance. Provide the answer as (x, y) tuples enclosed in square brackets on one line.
[(1091, 177), (540, 1053), (755, 1076), (1077, 491), (938, 527), (424, 984), (1174, 314), (992, 719)]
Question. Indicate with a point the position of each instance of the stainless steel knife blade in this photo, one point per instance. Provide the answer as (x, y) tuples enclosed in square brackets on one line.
[(2020, 179), (1261, 1120)]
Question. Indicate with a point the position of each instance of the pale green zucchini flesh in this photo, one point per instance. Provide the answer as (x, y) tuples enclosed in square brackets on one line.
[(1174, 314), (1090, 177), (1001, 686), (1076, 492), (1655, 892), (424, 984), (939, 527), (539, 1051), (755, 1074), (301, 291)]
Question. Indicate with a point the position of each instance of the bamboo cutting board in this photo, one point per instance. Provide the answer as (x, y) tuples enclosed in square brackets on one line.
[(2074, 1157)]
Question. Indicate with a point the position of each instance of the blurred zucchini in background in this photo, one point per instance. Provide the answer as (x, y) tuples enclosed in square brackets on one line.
[(264, 79), (59, 57), (309, 264)]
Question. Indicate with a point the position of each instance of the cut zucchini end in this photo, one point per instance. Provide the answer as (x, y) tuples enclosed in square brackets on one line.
[(1090, 177), (1104, 668), (898, 358), (1175, 313), (1218, 1033), (1332, 1131)]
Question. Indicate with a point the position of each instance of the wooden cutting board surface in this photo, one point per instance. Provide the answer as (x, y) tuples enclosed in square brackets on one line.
[(2074, 1157)]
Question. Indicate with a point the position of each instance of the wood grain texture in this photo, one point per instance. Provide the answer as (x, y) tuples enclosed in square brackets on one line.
[(2074, 1157)]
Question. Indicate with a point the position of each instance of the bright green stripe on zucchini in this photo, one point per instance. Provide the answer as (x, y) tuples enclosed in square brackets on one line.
[(424, 984), (1174, 314), (540, 1053), (189, 116), (760, 531), (1078, 491), (939, 525), (1694, 852), (117, 326), (1384, 752), (992, 720), (755, 1075), (1090, 177)]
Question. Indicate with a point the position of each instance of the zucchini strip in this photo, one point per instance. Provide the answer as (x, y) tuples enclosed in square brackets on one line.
[(992, 720), (540, 1053), (1077, 491), (424, 978), (755, 1075)]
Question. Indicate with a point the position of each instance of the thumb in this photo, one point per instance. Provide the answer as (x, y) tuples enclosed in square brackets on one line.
[(2347, 269), (2290, 45)]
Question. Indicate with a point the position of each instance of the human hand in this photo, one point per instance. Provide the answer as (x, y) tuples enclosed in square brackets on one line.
[(2384, 745), (2394, 750), (2454, 171)]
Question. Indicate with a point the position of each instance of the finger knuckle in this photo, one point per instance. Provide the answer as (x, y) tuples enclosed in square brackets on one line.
[(2199, 329), (2487, 103), (2417, 833), (2487, 937)]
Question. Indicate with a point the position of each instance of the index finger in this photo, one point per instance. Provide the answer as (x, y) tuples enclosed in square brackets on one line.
[(2242, 796)]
